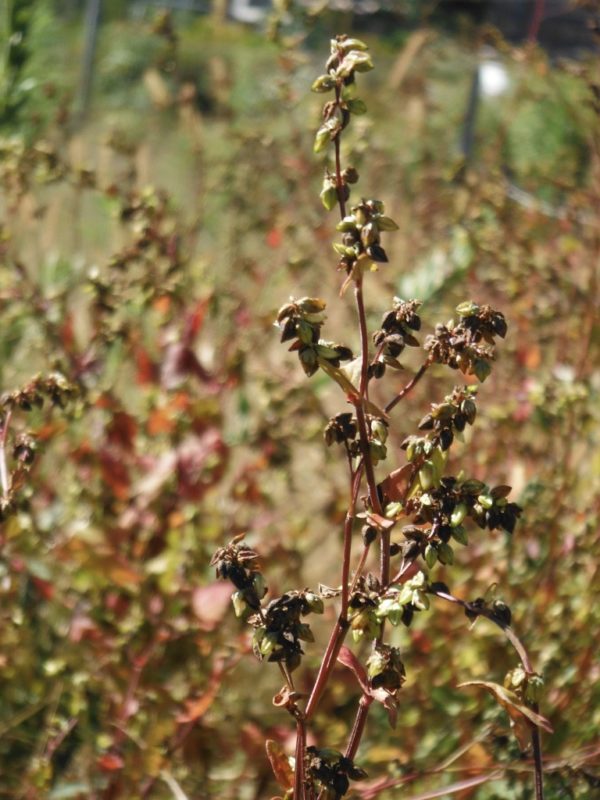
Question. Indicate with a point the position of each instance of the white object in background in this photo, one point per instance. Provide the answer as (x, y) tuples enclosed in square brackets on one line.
[(493, 78)]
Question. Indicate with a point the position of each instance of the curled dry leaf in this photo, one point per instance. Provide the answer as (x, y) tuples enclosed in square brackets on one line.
[(280, 763), (521, 716)]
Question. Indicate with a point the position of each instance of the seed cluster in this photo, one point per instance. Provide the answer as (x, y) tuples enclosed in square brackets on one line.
[(467, 345), (301, 320)]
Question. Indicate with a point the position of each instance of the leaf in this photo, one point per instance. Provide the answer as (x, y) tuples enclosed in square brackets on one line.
[(397, 483), (382, 523), (387, 699), (110, 762), (280, 764), (348, 659), (338, 376), (518, 712), (210, 603)]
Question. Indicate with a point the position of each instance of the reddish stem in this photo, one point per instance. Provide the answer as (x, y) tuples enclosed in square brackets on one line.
[(536, 20), (299, 782), (410, 385), (359, 726), (341, 627)]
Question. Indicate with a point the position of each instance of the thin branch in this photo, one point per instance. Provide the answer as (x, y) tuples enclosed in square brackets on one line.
[(341, 627), (410, 385), (299, 782), (536, 741)]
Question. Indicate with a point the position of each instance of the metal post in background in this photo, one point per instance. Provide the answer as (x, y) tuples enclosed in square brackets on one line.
[(91, 25)]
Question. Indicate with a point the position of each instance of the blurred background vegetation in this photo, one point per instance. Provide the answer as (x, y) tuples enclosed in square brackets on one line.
[(160, 202)]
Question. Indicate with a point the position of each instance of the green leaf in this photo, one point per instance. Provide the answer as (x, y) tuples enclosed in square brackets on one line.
[(357, 106)]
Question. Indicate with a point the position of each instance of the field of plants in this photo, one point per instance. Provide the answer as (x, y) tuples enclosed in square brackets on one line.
[(428, 489)]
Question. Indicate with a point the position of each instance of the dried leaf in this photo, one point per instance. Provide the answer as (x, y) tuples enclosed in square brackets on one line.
[(382, 523), (280, 764), (518, 712)]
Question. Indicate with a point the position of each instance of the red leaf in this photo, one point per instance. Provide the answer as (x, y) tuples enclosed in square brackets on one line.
[(115, 474), (194, 321), (348, 659), (210, 603), (274, 237), (397, 482), (109, 762), (122, 430), (147, 371)]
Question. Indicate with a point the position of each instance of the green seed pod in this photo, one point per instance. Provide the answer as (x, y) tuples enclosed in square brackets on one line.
[(460, 535), (515, 679), (259, 585), (240, 606), (431, 555), (420, 600), (353, 44), (311, 305), (385, 223), (445, 553), (378, 451), (347, 224), (322, 139), (314, 602), (427, 476), (329, 196), (379, 429), (534, 689), (485, 501), (393, 510), (324, 83), (458, 515), (360, 61), (308, 359), (467, 309), (305, 332), (267, 644), (376, 663)]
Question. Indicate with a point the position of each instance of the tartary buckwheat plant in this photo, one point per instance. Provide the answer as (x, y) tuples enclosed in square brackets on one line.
[(415, 513)]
